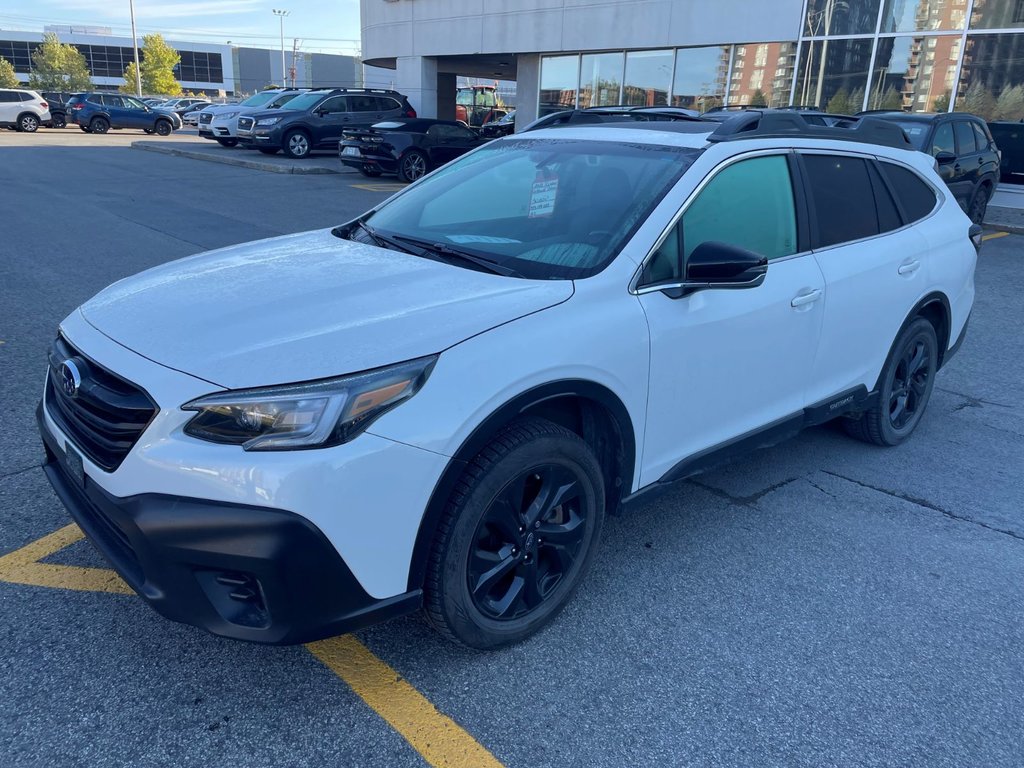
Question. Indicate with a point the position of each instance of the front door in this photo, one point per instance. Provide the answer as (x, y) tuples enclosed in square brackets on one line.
[(328, 120), (727, 362)]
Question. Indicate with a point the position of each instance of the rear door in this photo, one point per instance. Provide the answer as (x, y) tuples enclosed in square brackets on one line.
[(114, 107), (969, 156), (364, 110), (873, 267), (944, 140), (10, 103)]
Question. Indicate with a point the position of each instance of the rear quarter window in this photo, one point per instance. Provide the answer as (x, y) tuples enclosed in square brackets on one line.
[(915, 197)]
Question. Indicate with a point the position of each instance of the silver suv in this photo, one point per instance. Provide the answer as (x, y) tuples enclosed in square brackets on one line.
[(23, 110)]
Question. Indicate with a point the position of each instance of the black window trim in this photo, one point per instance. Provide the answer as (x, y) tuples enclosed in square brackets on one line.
[(638, 289), (812, 217), (937, 193)]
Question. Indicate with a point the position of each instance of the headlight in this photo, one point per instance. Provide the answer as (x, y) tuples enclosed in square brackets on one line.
[(226, 116), (312, 415), (268, 120)]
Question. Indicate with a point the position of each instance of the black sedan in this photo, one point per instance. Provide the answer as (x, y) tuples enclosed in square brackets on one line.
[(409, 147)]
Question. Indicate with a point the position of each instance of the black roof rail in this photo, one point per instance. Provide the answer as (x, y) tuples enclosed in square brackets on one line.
[(883, 112), (776, 124), (350, 88)]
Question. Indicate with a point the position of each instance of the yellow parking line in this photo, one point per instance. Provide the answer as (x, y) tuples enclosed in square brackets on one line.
[(437, 737), (994, 235), (23, 567)]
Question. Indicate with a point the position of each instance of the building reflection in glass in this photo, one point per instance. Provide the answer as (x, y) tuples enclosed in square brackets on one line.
[(762, 74)]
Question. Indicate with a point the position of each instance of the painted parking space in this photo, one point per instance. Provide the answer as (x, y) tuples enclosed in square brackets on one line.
[(441, 741)]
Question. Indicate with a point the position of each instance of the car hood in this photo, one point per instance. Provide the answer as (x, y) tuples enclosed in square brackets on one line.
[(304, 307)]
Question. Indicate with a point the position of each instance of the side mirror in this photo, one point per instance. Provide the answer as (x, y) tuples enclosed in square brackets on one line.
[(945, 158), (715, 264)]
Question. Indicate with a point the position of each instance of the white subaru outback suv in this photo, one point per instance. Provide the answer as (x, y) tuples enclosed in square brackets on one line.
[(434, 406), (23, 110)]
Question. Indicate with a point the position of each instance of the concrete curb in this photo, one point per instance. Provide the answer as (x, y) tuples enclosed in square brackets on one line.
[(1005, 218), (228, 159)]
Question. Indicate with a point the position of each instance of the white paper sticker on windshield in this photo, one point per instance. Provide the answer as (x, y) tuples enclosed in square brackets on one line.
[(542, 198), (481, 239)]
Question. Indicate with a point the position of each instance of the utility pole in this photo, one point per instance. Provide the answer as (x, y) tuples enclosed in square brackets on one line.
[(135, 48), (284, 72), (295, 53)]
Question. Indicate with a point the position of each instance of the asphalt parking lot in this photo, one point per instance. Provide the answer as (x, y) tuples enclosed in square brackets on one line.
[(821, 603)]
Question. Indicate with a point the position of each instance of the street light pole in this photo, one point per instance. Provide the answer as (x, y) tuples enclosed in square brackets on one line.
[(135, 48), (284, 72)]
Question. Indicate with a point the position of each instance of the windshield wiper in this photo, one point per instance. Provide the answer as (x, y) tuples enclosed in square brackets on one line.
[(447, 253), (382, 240)]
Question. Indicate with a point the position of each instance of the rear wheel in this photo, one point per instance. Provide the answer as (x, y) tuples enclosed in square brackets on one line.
[(517, 536), (906, 387), (163, 128), (99, 125), (28, 123), (979, 205), (412, 166), (228, 142), (297, 145), (59, 121)]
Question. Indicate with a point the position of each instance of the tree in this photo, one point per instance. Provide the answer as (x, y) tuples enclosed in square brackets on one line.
[(58, 67), (758, 99), (157, 63), (1010, 104), (7, 77), (856, 101), (980, 101), (839, 104), (891, 99), (129, 80), (941, 103)]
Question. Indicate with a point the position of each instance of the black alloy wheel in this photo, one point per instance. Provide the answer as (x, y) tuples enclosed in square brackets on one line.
[(163, 128), (516, 537), (979, 205), (527, 542), (59, 121), (904, 390), (412, 166), (98, 125)]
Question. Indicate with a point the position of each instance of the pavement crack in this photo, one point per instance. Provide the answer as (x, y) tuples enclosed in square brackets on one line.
[(827, 493), (927, 505), (21, 471), (970, 401), (158, 230), (746, 501)]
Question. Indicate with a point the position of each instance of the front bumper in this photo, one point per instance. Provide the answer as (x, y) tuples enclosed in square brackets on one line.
[(244, 572)]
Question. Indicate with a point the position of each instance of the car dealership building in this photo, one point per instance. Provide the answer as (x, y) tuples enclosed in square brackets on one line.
[(841, 55)]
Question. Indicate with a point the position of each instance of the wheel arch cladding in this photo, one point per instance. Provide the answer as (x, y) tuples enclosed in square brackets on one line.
[(590, 410), (935, 309)]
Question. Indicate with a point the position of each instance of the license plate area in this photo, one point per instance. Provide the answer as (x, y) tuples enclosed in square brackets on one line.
[(73, 464), (351, 152)]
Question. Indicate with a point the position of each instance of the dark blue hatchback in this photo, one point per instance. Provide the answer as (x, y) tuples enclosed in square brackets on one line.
[(99, 112)]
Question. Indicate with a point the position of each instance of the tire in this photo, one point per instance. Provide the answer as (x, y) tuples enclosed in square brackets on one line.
[(163, 127), (59, 121), (228, 142), (979, 205), (370, 172), (486, 526), (98, 125), (297, 145), (28, 123), (267, 150), (85, 129), (412, 166), (905, 388), (147, 130)]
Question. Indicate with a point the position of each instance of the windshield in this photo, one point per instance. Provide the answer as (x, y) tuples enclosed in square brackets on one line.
[(303, 102), (545, 208), (258, 100), (916, 132)]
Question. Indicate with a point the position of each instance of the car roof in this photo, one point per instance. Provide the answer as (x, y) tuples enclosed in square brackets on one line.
[(417, 124)]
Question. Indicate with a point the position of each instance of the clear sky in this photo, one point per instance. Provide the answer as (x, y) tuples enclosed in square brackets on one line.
[(321, 25)]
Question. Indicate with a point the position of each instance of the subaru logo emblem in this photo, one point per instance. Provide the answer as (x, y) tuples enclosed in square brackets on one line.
[(70, 378)]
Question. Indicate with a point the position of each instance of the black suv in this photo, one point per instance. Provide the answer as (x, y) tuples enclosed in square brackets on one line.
[(963, 147), (316, 119), (58, 107)]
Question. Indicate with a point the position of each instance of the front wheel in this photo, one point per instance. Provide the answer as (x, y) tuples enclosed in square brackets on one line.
[(412, 166), (906, 386), (517, 536), (297, 145), (163, 128), (228, 142)]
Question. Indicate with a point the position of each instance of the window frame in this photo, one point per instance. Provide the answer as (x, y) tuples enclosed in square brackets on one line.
[(800, 211), (936, 193), (812, 222)]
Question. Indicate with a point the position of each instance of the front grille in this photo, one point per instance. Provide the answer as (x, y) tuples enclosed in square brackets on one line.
[(205, 117), (246, 123), (105, 417)]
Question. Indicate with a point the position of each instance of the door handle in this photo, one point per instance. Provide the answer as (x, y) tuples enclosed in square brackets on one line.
[(807, 297), (909, 267)]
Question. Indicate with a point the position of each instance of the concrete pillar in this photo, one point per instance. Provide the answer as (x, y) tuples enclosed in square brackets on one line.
[(416, 77), (527, 88), (446, 92)]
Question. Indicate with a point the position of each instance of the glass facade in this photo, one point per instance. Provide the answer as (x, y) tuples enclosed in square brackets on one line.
[(910, 55), (111, 61)]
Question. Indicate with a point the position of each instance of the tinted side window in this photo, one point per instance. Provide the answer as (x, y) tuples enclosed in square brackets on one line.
[(885, 206), (333, 104), (26, 96), (6, 96), (385, 104), (916, 197), (965, 137), (363, 103), (980, 136), (761, 189), (843, 200), (943, 140)]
